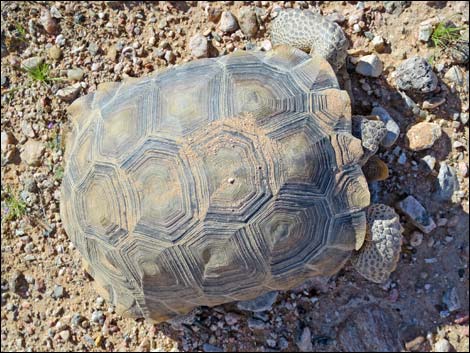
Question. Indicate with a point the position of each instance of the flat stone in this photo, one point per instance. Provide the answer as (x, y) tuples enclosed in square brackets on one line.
[(415, 74), (228, 22), (433, 103), (393, 130), (442, 345), (75, 74), (262, 303), (429, 161), (369, 65), (455, 75), (423, 135), (32, 63), (256, 324), (198, 46), (304, 343), (7, 138), (417, 214), (451, 299), (206, 347), (32, 152), (447, 182), (68, 94)]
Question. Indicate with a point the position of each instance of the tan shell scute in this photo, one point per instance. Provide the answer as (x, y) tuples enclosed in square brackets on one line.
[(215, 181)]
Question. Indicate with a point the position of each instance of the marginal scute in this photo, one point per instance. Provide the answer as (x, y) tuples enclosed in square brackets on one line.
[(214, 181)]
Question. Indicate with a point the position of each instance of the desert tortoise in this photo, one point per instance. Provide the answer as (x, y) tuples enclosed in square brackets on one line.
[(220, 180)]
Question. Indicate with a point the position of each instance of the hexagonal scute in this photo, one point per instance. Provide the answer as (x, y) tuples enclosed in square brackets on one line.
[(82, 154), (124, 120), (188, 98), (230, 174), (165, 188), (253, 87), (290, 233), (102, 202)]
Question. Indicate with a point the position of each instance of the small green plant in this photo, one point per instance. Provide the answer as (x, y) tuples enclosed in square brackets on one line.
[(59, 173), (40, 73), (54, 143), (21, 32), (445, 35), (15, 206)]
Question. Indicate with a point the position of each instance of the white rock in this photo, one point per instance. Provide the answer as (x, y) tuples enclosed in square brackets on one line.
[(369, 65), (69, 93), (198, 46), (228, 22)]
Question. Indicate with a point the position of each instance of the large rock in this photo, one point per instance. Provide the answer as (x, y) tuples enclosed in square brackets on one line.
[(247, 21), (370, 329), (198, 46), (32, 152), (416, 75), (423, 135)]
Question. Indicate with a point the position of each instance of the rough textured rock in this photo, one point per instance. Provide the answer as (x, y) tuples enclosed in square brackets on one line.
[(415, 74), (370, 329), (423, 135), (248, 22), (417, 214), (304, 342)]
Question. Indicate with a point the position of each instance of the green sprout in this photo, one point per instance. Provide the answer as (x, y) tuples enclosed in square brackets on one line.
[(15, 206), (21, 32), (59, 173), (444, 35), (55, 142), (40, 73)]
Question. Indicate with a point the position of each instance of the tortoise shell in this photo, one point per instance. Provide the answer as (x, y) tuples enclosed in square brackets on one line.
[(214, 181)]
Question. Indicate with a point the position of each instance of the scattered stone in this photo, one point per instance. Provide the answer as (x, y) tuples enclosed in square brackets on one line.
[(48, 22), (455, 75), (262, 303), (433, 103), (169, 57), (32, 152), (231, 318), (58, 292), (248, 22), (65, 335), (379, 44), (68, 94), (4, 79), (402, 159), (464, 118), (415, 74), (393, 130), (93, 49), (256, 324), (97, 316), (447, 182), (228, 22), (305, 341), (213, 13), (425, 32), (463, 169), (55, 52), (32, 63), (369, 65), (336, 17), (429, 161), (266, 45), (7, 138), (206, 347), (460, 51), (75, 74), (60, 40), (76, 319), (198, 46), (417, 214), (27, 129), (416, 239), (442, 345), (423, 135)]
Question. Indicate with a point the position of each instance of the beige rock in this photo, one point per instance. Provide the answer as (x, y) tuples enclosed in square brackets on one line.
[(32, 152), (423, 135)]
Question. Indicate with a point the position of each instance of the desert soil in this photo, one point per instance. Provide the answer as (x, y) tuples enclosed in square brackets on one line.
[(48, 301)]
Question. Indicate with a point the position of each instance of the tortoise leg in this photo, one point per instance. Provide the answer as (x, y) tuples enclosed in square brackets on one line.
[(312, 33), (370, 132), (379, 255)]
